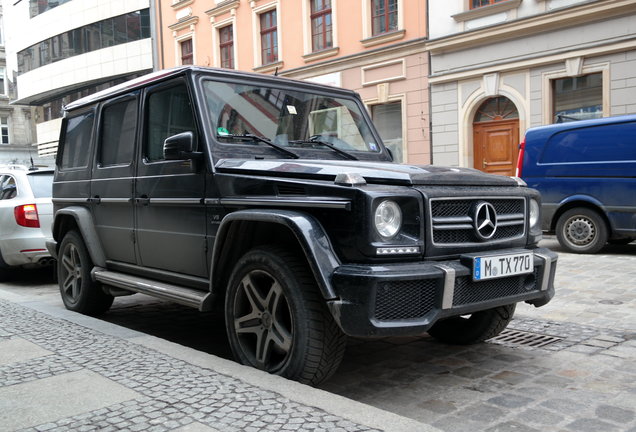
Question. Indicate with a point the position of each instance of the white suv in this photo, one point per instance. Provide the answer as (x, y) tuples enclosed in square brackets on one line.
[(25, 217)]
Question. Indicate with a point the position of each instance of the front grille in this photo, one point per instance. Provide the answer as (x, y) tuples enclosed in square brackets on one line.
[(400, 300), (468, 292), (452, 222)]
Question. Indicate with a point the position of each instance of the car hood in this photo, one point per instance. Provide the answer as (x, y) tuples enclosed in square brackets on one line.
[(372, 172)]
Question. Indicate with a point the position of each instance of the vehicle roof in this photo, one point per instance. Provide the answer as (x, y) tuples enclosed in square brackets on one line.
[(162, 75), (557, 127)]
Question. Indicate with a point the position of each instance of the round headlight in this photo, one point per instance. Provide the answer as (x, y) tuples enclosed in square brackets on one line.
[(534, 213), (388, 219)]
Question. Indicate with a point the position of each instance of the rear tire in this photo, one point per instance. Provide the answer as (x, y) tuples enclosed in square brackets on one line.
[(581, 230), (277, 320), (79, 292), (477, 327)]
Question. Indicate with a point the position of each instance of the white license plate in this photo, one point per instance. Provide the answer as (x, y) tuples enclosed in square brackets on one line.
[(498, 266)]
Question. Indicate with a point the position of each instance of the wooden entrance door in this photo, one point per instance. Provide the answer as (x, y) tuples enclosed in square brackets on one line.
[(496, 136), (496, 146)]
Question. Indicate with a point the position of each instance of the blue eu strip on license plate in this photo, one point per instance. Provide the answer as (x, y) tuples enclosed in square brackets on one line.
[(498, 266)]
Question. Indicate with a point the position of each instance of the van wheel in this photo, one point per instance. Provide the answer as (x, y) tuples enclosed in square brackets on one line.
[(276, 319), (581, 230), (473, 328), (79, 292)]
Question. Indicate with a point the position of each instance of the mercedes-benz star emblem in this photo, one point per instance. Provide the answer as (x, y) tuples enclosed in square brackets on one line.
[(485, 220)]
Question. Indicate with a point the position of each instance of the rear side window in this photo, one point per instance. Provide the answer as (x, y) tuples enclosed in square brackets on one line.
[(75, 149), (169, 113), (41, 184), (7, 187), (610, 143), (118, 129)]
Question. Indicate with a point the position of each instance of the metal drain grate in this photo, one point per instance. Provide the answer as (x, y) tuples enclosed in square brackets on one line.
[(516, 338)]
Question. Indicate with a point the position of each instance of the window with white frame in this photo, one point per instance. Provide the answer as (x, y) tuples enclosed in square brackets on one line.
[(3, 84), (384, 16), (187, 52), (4, 130), (269, 37), (577, 98), (226, 46), (321, 25)]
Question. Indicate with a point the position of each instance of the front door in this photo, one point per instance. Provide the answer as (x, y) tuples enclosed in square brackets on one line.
[(496, 137)]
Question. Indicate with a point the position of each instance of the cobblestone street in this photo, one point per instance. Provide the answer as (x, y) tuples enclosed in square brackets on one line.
[(568, 366)]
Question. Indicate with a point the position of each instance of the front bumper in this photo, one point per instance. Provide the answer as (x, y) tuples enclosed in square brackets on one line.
[(407, 299)]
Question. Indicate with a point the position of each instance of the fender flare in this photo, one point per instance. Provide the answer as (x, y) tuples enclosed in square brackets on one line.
[(306, 229), (84, 220)]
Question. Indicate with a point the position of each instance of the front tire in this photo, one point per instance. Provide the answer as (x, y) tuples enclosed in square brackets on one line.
[(277, 321), (581, 230), (78, 290), (477, 327)]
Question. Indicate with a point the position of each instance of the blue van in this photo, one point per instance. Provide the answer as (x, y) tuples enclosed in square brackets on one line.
[(586, 173)]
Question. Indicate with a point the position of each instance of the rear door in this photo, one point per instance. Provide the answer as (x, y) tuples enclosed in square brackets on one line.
[(112, 182), (169, 195)]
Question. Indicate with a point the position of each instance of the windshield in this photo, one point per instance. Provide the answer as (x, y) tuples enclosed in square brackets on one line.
[(288, 118)]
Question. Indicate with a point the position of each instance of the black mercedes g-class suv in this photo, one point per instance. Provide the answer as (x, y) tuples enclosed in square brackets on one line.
[(276, 200)]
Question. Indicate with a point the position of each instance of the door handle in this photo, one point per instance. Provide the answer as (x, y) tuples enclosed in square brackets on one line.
[(142, 200)]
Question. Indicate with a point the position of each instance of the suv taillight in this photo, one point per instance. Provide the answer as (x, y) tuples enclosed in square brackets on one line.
[(522, 150), (27, 216)]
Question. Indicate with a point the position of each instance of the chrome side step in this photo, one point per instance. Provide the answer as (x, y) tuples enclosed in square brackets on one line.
[(201, 300)]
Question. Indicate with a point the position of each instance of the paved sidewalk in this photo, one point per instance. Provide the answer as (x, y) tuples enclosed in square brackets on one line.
[(60, 371)]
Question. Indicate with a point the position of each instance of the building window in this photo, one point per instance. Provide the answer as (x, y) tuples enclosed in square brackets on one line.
[(187, 55), (269, 37), (384, 16), (4, 130), (226, 45), (321, 25), (3, 88), (125, 28), (474, 4), (37, 7), (577, 98), (388, 121)]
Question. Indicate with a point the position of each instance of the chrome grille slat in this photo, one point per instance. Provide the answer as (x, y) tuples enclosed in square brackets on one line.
[(452, 221)]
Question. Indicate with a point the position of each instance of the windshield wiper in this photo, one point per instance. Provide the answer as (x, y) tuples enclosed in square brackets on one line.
[(252, 137), (326, 144)]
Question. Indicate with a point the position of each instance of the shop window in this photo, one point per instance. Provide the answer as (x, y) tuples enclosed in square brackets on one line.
[(226, 46), (384, 16), (269, 37), (577, 98), (187, 55), (388, 121), (321, 25)]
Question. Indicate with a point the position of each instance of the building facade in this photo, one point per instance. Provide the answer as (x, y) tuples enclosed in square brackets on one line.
[(66, 49), (375, 47), (17, 128), (501, 66)]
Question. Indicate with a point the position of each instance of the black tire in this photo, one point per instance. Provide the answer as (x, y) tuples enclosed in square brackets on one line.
[(277, 320), (581, 230), (79, 292), (474, 328)]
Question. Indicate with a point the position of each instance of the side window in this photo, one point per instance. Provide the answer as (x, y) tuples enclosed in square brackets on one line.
[(169, 112), (7, 187), (77, 138), (117, 136)]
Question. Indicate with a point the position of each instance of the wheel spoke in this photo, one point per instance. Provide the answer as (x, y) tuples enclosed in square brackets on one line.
[(263, 349), (280, 336), (67, 262), (68, 284), (252, 294)]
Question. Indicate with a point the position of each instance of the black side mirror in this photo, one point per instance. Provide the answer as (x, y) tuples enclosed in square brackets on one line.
[(179, 147)]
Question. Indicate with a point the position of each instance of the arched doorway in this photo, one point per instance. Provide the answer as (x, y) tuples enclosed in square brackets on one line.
[(496, 136)]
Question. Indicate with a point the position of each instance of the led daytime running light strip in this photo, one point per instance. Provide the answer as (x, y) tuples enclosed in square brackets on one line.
[(398, 250)]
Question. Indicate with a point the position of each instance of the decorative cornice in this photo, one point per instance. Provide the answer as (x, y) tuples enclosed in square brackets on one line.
[(318, 55), (223, 7), (554, 20), (271, 67), (487, 10), (178, 4), (187, 22), (383, 38)]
